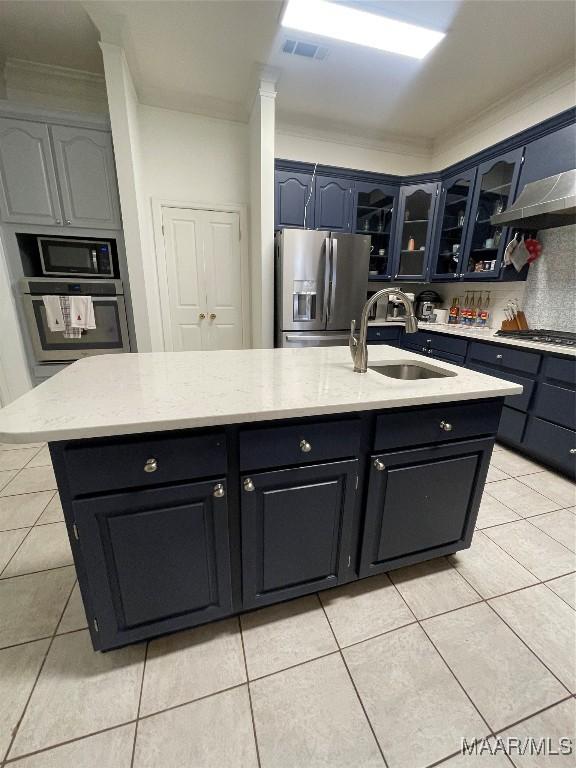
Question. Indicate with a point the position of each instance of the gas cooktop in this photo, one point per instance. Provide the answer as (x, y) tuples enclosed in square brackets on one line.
[(562, 338)]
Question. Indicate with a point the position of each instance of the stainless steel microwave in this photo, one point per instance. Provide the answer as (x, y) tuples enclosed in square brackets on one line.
[(71, 257)]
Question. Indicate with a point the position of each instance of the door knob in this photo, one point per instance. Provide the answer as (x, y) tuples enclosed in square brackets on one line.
[(379, 465), (212, 316), (201, 316), (446, 426), (248, 484), (151, 465), (305, 446), (218, 491)]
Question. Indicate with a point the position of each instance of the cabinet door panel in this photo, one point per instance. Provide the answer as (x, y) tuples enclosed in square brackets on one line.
[(333, 204), (409, 514), (452, 215), (413, 241), (295, 530), (549, 155), (28, 191), (291, 193), (374, 213), (87, 175), (158, 560), (552, 444)]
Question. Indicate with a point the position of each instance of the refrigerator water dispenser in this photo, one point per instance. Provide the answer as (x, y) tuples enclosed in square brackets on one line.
[(304, 300)]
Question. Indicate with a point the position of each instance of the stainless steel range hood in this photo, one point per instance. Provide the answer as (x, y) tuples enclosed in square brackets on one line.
[(543, 204)]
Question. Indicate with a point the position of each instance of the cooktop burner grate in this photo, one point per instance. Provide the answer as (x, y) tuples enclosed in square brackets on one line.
[(562, 338)]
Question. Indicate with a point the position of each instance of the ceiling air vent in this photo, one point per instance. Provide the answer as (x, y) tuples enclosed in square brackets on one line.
[(307, 50)]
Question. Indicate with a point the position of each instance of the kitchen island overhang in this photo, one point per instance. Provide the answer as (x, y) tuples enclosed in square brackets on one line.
[(253, 477)]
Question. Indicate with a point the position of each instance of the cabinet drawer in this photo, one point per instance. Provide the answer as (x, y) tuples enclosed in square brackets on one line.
[(263, 447), (556, 404), (552, 444), (520, 402), (448, 357), (560, 369), (398, 428), (448, 344), (107, 465), (500, 356), (512, 425), (383, 334)]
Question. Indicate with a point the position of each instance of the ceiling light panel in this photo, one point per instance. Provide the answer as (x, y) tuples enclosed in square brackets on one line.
[(319, 17)]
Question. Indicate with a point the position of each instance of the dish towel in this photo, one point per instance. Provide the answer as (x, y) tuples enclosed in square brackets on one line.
[(69, 332), (54, 316), (82, 313)]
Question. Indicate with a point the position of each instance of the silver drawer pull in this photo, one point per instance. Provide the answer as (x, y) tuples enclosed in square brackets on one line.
[(248, 484), (572, 451), (218, 491), (379, 465), (305, 446), (151, 465), (498, 357), (446, 426)]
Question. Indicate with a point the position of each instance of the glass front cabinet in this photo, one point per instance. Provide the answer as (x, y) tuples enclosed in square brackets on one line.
[(495, 189), (452, 216), (375, 215), (414, 231)]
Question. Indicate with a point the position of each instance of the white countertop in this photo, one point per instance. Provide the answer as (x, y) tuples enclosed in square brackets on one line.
[(482, 334), (134, 393)]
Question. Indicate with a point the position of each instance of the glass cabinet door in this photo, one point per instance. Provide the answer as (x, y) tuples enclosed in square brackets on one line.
[(452, 221), (375, 213), (413, 241), (495, 189)]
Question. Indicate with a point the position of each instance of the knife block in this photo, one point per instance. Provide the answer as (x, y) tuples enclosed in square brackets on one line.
[(518, 324)]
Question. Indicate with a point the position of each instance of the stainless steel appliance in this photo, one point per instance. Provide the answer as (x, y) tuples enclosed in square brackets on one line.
[(72, 257), (321, 284), (542, 204), (425, 304), (542, 336), (109, 336)]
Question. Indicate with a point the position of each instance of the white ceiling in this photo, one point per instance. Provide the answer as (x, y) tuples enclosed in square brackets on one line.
[(203, 55)]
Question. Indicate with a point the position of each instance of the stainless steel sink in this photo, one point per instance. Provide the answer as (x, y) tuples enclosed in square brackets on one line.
[(410, 371)]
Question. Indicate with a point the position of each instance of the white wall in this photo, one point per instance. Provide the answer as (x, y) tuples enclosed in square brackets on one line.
[(353, 152), (192, 158)]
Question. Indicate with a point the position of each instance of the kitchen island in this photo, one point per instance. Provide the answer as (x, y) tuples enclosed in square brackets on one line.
[(199, 485)]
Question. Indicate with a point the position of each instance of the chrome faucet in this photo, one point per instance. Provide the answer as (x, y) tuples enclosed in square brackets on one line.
[(358, 348)]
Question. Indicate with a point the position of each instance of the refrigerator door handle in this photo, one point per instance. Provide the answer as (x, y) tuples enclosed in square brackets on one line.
[(312, 337), (334, 271), (327, 283)]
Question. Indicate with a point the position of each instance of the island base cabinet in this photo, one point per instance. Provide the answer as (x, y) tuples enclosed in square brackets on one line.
[(422, 503), (296, 527), (156, 560)]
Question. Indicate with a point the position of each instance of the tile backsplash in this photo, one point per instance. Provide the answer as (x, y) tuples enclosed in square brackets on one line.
[(550, 297)]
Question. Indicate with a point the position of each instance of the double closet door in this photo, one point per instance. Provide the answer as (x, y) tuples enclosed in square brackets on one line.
[(203, 286)]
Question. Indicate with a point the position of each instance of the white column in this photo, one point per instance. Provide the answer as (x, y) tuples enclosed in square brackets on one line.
[(262, 127), (14, 372), (123, 107)]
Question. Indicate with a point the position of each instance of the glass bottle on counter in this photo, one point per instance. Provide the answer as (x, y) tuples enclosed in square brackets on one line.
[(484, 313), (454, 314), (473, 311)]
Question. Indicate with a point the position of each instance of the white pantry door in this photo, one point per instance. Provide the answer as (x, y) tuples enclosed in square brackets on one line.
[(204, 278)]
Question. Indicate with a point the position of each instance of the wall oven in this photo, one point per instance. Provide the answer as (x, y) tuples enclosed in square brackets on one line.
[(71, 257), (109, 336)]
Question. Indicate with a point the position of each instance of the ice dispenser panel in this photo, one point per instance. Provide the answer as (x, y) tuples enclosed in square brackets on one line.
[(304, 300)]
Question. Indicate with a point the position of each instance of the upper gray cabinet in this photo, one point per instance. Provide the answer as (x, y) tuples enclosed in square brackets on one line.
[(56, 175), (28, 190), (87, 176)]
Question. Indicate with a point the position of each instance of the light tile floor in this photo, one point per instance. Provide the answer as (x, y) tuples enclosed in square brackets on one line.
[(391, 671)]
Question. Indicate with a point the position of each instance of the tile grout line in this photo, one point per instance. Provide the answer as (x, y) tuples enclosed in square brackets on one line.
[(35, 573), (357, 692), (139, 705), (257, 746), (33, 688), (522, 564)]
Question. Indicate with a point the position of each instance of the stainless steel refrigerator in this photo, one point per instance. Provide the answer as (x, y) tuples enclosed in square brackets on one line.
[(321, 283)]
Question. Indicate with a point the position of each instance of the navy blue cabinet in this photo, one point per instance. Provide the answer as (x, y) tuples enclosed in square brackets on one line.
[(414, 231), (293, 199), (549, 155), (374, 213), (409, 511), (495, 189), (296, 527), (451, 225), (333, 204), (156, 560)]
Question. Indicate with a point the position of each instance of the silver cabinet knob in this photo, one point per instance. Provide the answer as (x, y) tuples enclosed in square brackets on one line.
[(151, 465), (201, 316), (248, 484), (218, 491), (446, 426), (68, 221), (572, 451), (58, 221), (428, 341), (379, 465), (498, 357), (212, 316), (305, 446), (424, 349)]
